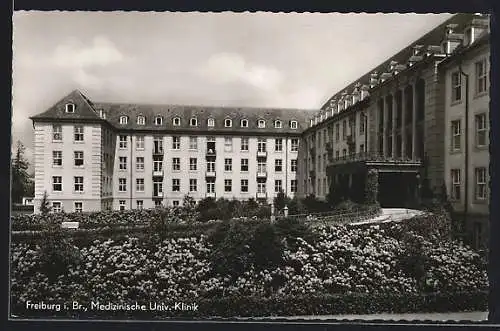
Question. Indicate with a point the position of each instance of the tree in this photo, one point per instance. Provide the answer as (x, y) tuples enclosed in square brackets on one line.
[(44, 205), (281, 200), (20, 177)]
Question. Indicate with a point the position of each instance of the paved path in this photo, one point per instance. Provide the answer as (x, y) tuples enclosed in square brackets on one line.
[(392, 214), (475, 316)]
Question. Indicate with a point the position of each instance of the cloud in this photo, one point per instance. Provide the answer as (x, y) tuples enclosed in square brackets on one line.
[(229, 68)]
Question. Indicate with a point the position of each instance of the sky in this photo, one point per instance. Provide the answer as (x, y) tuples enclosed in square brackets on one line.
[(219, 59)]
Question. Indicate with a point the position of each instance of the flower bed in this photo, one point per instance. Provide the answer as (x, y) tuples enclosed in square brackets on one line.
[(346, 270)]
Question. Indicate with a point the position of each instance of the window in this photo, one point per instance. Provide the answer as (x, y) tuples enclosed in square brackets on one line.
[(295, 145), (228, 144), (244, 164), (244, 185), (278, 165), (293, 165), (57, 158), (193, 143), (278, 144), (176, 142), (78, 158), (337, 154), (175, 203), (261, 124), (139, 204), (193, 185), (141, 120), (56, 207), (70, 108), (244, 123), (293, 125), (157, 165), (228, 183), (261, 166), (78, 207), (210, 122), (176, 121), (122, 184), (176, 185), (228, 164), (455, 184), (193, 121), (56, 132), (456, 86), (261, 145), (193, 163), (211, 166), (361, 148), (278, 124), (176, 164), (261, 186), (78, 132), (122, 142), (139, 184), (455, 135), (337, 132), (57, 183), (78, 181), (158, 120), (122, 204), (293, 185), (481, 76), (157, 187), (362, 119), (123, 163), (481, 130), (123, 120), (480, 189), (244, 144), (157, 145), (344, 152), (210, 185), (139, 142), (278, 185), (139, 163), (228, 123), (344, 130)]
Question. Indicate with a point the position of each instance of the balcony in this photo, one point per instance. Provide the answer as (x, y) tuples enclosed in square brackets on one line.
[(158, 173), (374, 157), (157, 151), (210, 173), (261, 154), (210, 195), (261, 173), (261, 195), (157, 194), (210, 152)]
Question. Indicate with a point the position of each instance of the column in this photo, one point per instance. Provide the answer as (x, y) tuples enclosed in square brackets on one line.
[(403, 123), (384, 133), (414, 122), (394, 115)]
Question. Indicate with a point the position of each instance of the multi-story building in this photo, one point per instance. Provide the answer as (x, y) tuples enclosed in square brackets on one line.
[(406, 120), (93, 156)]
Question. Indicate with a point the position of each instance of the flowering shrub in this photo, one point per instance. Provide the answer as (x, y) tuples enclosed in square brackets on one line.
[(341, 269)]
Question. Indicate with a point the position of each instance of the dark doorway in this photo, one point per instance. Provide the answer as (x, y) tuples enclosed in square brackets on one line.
[(395, 189)]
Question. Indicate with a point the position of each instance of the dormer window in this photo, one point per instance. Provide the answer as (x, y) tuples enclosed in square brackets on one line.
[(70, 108), (141, 120), (228, 123), (123, 120), (158, 120), (244, 123), (102, 114), (293, 125), (193, 121), (261, 124), (210, 122), (176, 121), (278, 124)]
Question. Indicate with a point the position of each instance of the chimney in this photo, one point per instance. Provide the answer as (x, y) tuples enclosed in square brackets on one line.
[(364, 91), (451, 39), (479, 24), (373, 79)]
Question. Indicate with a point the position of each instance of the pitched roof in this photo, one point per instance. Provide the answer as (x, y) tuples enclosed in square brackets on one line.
[(114, 111), (88, 110), (83, 109)]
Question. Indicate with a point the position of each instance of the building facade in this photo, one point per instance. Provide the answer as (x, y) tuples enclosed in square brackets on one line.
[(405, 120), (96, 156)]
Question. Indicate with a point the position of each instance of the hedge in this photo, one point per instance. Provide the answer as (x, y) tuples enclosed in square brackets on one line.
[(252, 306)]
